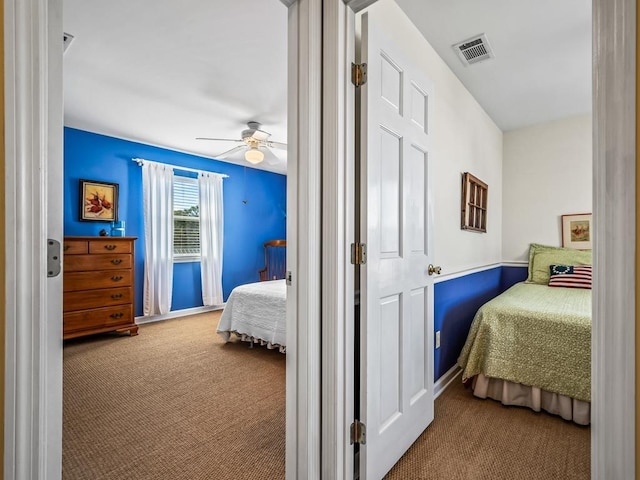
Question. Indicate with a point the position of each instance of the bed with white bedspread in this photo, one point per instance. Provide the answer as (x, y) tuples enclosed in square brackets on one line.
[(257, 312)]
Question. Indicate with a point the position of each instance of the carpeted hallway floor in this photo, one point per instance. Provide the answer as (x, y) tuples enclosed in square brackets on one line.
[(175, 402)]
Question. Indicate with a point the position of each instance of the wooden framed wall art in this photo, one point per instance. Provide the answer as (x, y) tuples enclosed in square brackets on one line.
[(576, 231), (474, 203), (98, 201)]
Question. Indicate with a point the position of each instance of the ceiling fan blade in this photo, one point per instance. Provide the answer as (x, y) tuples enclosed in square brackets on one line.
[(270, 157), (228, 153), (279, 145), (220, 139)]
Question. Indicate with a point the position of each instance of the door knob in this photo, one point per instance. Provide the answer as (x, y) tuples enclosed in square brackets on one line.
[(431, 270)]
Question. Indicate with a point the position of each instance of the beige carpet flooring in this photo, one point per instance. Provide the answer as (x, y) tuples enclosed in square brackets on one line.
[(474, 439), (175, 402)]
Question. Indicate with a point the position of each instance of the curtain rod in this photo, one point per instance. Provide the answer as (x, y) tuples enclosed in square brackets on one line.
[(140, 161)]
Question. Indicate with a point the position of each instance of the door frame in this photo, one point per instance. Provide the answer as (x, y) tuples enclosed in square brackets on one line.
[(613, 432), (613, 340), (33, 153), (321, 100), (338, 232), (303, 238), (33, 382), (33, 308)]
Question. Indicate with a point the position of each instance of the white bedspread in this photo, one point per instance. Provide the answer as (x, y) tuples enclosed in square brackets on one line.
[(257, 312)]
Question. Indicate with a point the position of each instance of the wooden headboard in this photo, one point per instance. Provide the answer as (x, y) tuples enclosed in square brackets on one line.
[(275, 260)]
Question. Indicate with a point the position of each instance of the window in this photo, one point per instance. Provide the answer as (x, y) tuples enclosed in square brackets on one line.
[(474, 203), (186, 220)]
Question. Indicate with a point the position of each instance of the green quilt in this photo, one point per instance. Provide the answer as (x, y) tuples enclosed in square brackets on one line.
[(535, 335)]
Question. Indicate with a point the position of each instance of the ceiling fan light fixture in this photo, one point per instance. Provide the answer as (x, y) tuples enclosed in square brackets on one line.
[(253, 155)]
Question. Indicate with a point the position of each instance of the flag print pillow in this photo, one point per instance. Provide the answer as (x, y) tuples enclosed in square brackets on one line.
[(571, 276)]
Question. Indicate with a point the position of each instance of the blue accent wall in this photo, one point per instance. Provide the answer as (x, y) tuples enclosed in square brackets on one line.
[(456, 302), (254, 207), (512, 275)]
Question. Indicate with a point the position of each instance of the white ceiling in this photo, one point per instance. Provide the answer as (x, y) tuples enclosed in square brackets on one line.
[(163, 76), (195, 68), (542, 65)]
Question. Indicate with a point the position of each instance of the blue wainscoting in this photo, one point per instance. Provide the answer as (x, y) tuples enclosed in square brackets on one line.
[(512, 275), (254, 207), (456, 302)]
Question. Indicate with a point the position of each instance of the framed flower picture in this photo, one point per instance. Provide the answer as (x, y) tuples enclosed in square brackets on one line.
[(577, 231), (98, 201)]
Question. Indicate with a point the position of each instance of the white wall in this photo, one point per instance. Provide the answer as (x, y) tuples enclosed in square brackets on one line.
[(546, 174), (466, 140), (535, 174)]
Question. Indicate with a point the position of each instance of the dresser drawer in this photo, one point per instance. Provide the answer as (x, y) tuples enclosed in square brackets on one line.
[(75, 247), (98, 318), (109, 246), (97, 298), (74, 281), (98, 285), (110, 261)]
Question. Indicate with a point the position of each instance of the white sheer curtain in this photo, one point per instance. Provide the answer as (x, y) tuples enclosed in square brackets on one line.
[(211, 230), (157, 189)]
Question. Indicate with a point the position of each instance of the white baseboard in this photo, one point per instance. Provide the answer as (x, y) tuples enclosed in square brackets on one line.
[(445, 380), (177, 314)]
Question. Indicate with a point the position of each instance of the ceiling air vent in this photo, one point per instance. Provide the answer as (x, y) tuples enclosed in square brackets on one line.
[(474, 50), (67, 38)]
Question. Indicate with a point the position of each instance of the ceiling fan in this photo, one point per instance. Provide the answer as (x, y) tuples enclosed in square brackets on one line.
[(254, 143)]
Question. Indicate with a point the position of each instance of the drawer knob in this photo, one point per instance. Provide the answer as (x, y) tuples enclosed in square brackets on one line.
[(117, 315), (116, 261), (110, 247), (115, 296), (116, 278)]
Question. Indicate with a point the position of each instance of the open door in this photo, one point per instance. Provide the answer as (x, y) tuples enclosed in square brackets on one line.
[(396, 350)]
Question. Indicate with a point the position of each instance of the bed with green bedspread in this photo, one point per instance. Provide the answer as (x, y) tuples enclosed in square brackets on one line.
[(534, 335)]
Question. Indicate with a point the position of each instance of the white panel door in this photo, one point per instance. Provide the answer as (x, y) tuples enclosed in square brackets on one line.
[(396, 288)]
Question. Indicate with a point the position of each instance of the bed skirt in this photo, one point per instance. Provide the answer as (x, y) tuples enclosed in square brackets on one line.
[(510, 393), (248, 338)]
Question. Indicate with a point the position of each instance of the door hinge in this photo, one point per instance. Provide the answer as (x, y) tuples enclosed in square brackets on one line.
[(358, 253), (358, 432), (358, 74), (53, 258)]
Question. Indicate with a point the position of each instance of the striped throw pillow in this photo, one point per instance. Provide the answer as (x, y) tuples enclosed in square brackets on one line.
[(571, 276)]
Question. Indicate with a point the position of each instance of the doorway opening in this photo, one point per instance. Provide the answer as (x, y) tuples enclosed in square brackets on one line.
[(209, 99)]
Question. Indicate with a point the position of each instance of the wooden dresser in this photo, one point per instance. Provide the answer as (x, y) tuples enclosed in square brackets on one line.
[(98, 285)]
